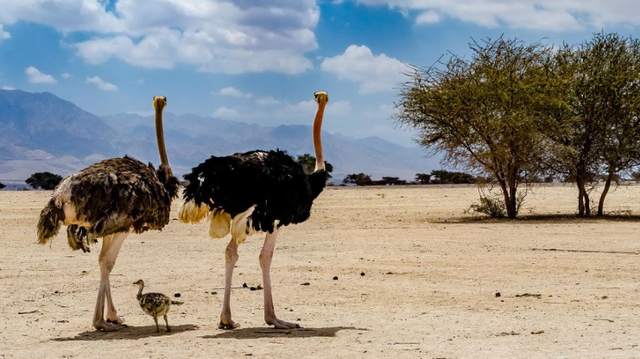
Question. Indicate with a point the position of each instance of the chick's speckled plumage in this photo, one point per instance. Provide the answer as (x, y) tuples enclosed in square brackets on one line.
[(154, 304)]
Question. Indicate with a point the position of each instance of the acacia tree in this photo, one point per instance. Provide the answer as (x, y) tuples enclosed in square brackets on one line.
[(598, 130), (44, 180), (483, 112), (309, 164), (2, 185)]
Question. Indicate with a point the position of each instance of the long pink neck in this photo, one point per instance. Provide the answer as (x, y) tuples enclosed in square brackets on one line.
[(317, 140)]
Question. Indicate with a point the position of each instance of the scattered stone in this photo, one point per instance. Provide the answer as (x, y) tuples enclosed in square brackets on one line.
[(335, 278), (214, 293), (176, 302), (306, 283), (177, 295), (362, 274), (504, 334), (498, 294), (535, 332), (538, 296), (63, 321), (389, 272), (244, 285)]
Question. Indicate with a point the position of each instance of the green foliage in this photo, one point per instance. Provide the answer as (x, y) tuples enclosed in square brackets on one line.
[(445, 177), (2, 185), (491, 206), (309, 164), (423, 178), (359, 179), (44, 180)]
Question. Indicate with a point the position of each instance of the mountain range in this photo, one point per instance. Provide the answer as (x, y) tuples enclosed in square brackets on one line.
[(41, 132)]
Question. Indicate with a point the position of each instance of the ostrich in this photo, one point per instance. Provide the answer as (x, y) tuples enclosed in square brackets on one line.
[(154, 304), (111, 199), (257, 191)]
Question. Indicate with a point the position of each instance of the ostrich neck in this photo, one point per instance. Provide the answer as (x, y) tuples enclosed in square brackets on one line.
[(317, 140), (164, 161), (139, 292)]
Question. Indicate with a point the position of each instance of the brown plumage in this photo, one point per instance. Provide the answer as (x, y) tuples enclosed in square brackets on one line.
[(109, 200), (154, 304)]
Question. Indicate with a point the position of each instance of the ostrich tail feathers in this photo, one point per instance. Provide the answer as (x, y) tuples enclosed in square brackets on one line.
[(79, 238), (51, 219), (190, 212), (220, 224)]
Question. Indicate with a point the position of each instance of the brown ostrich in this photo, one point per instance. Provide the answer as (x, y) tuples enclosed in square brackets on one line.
[(109, 200), (257, 191)]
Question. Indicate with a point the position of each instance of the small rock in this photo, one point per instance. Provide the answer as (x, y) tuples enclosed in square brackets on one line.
[(537, 332), (362, 274), (335, 278), (244, 285), (306, 283), (498, 294), (389, 272), (214, 293), (177, 295)]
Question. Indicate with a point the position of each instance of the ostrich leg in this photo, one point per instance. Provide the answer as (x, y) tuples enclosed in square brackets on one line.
[(110, 248), (112, 313), (231, 257), (265, 263)]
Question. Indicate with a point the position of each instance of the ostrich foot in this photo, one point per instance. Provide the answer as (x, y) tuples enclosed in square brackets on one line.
[(281, 324), (115, 320), (227, 324), (104, 326)]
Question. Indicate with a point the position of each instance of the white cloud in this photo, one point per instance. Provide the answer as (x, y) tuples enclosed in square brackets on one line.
[(268, 101), (232, 91), (554, 15), (3, 34), (225, 112), (102, 85), (213, 35), (66, 75), (374, 73), (34, 76), (8, 88), (428, 17)]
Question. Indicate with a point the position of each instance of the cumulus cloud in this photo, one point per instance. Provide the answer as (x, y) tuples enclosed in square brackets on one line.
[(213, 35), (8, 88), (234, 92), (34, 76), (268, 101), (102, 85), (225, 112), (3, 34), (374, 73), (66, 75), (554, 15)]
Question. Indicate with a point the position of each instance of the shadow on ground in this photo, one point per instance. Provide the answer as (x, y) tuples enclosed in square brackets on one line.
[(535, 218), (128, 333), (253, 333)]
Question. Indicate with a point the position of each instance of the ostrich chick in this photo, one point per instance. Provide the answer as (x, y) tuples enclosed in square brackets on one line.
[(154, 304)]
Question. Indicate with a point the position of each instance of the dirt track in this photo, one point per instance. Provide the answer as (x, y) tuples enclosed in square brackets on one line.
[(429, 289)]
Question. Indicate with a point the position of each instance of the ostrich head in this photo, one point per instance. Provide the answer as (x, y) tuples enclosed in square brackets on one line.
[(159, 102), (321, 97), (139, 283)]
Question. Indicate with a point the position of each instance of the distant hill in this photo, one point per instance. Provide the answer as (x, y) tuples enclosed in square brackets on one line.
[(41, 132)]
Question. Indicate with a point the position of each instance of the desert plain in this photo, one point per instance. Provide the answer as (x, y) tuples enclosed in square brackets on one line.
[(417, 277)]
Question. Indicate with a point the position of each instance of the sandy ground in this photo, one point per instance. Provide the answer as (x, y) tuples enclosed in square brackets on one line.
[(431, 275)]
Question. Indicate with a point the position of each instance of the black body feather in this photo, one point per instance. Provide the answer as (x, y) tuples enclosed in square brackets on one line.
[(111, 196), (271, 180)]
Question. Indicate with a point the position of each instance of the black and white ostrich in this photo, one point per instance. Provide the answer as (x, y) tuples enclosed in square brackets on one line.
[(111, 199), (257, 191)]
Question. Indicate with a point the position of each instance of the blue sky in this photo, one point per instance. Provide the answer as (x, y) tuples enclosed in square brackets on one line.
[(261, 63)]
